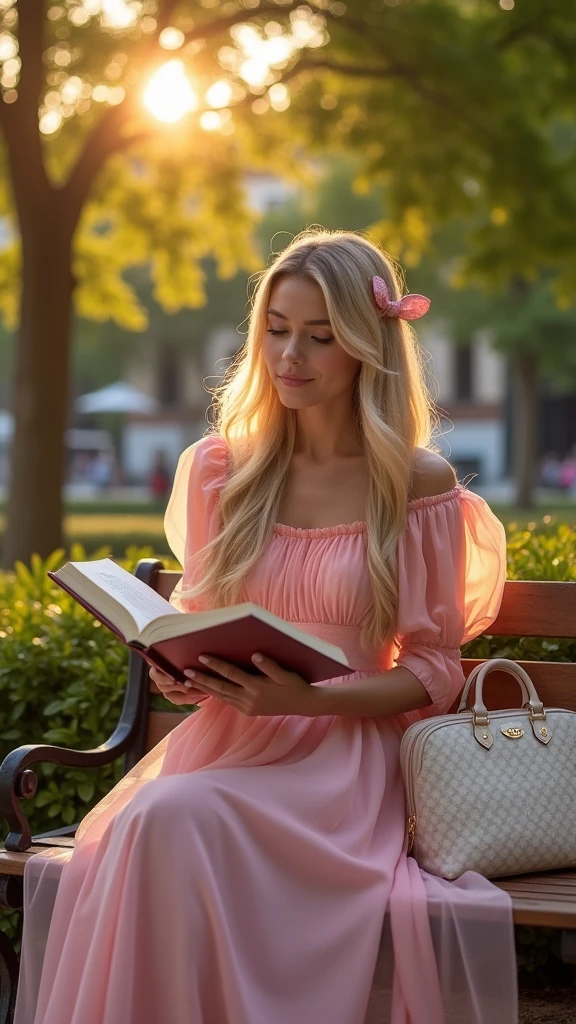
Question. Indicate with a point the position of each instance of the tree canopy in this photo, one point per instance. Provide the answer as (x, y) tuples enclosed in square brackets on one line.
[(128, 125)]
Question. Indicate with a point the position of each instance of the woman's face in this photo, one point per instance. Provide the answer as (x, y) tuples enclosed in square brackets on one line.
[(299, 342)]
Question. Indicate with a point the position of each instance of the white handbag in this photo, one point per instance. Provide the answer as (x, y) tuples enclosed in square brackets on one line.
[(493, 792)]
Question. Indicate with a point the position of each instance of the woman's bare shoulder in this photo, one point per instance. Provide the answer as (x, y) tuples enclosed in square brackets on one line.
[(431, 475)]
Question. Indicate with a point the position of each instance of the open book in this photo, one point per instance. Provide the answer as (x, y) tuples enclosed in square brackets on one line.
[(172, 640)]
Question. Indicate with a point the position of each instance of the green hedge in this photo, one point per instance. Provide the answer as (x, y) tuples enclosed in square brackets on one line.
[(62, 675), (62, 680)]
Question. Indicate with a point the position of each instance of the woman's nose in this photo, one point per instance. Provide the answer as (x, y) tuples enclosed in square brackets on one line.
[(293, 348)]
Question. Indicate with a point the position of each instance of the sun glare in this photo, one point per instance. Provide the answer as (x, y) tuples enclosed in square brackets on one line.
[(119, 13), (169, 95)]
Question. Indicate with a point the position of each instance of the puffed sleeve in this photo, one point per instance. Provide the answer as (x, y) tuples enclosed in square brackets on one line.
[(191, 518), (451, 573)]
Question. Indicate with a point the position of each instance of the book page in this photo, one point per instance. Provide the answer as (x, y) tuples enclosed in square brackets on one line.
[(143, 603)]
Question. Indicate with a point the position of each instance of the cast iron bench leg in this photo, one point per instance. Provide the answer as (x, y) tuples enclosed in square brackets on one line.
[(8, 979)]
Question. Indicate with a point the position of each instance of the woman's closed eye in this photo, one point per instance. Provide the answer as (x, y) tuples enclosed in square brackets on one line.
[(276, 333)]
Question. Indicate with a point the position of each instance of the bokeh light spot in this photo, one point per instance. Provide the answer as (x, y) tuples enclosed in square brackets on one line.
[(169, 95)]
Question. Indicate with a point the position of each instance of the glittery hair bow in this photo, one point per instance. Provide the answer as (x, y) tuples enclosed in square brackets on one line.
[(411, 307)]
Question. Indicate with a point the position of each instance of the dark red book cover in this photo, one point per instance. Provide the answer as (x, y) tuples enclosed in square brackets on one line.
[(235, 642)]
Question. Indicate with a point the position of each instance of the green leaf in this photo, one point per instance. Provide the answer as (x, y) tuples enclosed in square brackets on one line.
[(43, 798), (86, 790), (68, 814), (54, 707)]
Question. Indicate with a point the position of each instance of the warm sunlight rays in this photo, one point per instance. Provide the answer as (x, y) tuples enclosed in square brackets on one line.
[(169, 95), (251, 63)]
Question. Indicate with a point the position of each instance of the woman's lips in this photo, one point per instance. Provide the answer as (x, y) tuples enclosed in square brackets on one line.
[(291, 383)]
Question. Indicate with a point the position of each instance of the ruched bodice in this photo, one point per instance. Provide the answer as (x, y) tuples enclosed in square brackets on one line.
[(451, 572)]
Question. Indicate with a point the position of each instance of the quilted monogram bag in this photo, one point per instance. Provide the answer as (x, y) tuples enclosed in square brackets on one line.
[(493, 792)]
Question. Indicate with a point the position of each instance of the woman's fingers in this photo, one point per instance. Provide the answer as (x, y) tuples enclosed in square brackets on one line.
[(161, 679), (183, 696), (170, 688)]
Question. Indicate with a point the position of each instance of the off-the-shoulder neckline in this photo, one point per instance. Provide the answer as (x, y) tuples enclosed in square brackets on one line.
[(360, 525)]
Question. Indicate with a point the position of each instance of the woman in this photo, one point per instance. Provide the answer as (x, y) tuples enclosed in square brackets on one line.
[(253, 868)]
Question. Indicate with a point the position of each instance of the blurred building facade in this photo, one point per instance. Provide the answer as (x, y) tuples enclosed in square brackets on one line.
[(468, 382)]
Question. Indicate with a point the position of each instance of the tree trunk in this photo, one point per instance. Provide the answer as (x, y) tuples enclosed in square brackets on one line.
[(40, 389), (525, 430)]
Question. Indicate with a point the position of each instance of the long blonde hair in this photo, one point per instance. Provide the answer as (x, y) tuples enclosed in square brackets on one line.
[(393, 415)]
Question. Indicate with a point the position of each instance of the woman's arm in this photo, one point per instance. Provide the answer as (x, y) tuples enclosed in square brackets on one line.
[(390, 693)]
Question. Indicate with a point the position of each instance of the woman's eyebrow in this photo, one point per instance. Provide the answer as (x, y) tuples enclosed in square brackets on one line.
[(307, 322)]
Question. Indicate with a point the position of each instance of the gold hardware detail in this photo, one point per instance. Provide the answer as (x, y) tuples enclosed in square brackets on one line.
[(537, 718), (544, 731), (514, 732), (484, 735), (480, 720), (411, 831)]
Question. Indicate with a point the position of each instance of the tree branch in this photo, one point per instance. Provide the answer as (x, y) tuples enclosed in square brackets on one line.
[(105, 139), (391, 70), (213, 28), (348, 70)]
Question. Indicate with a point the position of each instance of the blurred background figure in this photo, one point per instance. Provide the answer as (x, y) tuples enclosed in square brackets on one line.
[(160, 479), (102, 470), (568, 472), (550, 468)]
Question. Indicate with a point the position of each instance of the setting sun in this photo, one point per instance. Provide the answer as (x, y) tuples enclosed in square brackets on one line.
[(169, 95)]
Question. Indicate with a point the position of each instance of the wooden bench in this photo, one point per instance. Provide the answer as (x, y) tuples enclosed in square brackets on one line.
[(528, 610)]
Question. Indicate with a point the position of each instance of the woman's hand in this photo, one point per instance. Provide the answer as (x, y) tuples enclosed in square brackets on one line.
[(276, 692), (177, 693)]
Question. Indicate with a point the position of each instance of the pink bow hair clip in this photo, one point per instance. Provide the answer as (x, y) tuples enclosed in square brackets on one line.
[(411, 307)]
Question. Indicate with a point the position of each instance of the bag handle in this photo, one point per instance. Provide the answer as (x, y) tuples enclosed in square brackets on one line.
[(480, 719), (504, 664)]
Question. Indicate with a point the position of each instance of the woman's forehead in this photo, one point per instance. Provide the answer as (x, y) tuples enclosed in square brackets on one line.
[(298, 297)]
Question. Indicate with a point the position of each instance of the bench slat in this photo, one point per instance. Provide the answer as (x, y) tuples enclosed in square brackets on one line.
[(547, 900), (555, 885), (166, 581), (554, 681), (160, 723), (536, 608), (14, 863)]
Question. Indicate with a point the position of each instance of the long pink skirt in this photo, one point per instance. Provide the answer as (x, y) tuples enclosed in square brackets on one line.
[(255, 872)]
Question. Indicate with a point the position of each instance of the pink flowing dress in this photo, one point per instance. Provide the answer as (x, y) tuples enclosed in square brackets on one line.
[(254, 870)]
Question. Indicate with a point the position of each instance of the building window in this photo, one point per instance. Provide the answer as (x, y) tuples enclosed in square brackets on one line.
[(463, 372)]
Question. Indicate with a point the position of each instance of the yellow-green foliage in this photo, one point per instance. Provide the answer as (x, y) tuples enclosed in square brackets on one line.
[(541, 551)]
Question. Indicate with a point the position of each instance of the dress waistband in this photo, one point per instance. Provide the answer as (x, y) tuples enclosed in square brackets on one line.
[(348, 639)]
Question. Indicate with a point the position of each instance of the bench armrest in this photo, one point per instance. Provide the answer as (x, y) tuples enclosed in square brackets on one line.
[(16, 782)]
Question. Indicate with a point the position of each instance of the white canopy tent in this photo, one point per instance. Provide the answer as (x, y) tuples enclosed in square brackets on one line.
[(117, 397)]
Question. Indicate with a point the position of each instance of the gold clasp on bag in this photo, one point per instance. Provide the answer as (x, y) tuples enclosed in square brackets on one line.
[(513, 732)]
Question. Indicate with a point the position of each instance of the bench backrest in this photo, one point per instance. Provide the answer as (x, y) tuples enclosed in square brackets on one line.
[(529, 609)]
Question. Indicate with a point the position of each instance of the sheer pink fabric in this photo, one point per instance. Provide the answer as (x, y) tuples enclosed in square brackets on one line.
[(250, 871)]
